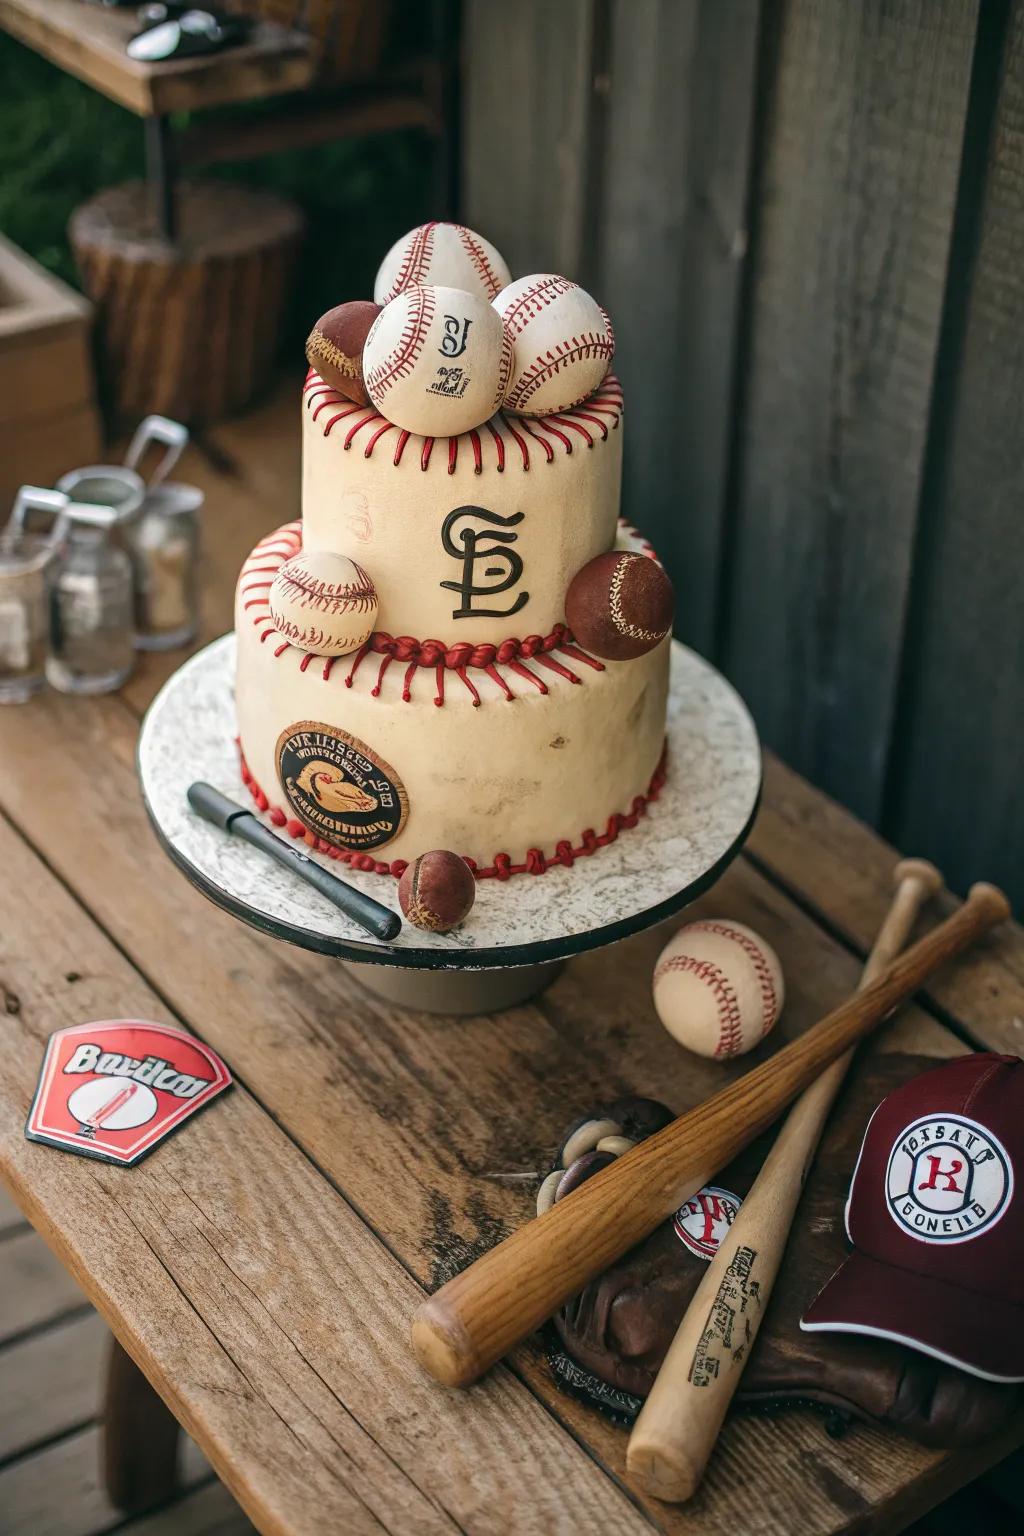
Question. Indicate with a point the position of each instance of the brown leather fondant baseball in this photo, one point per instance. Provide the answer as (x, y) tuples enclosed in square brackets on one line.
[(335, 347), (437, 891), (619, 606)]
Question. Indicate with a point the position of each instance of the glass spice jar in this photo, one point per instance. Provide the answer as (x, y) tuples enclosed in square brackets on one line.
[(91, 606), (26, 569)]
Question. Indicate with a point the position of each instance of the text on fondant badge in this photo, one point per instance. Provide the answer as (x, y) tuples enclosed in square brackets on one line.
[(339, 788), (490, 565)]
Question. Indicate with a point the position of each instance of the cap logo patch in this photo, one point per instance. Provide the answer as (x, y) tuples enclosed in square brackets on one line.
[(704, 1220), (948, 1179)]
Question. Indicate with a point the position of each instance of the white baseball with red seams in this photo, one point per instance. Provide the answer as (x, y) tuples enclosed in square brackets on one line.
[(437, 361), (443, 253), (718, 987), (562, 343), (324, 602)]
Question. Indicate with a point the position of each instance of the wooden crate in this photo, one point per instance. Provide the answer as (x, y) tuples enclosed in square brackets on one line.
[(48, 417)]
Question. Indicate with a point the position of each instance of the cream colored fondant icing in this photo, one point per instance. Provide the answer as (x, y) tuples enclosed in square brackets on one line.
[(504, 776), (553, 516)]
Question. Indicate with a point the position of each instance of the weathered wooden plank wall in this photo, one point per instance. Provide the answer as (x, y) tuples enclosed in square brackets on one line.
[(807, 220)]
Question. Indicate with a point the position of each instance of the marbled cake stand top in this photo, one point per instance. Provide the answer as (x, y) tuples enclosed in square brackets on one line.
[(687, 838)]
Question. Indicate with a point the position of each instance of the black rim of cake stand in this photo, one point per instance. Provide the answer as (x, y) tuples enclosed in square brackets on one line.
[(493, 958)]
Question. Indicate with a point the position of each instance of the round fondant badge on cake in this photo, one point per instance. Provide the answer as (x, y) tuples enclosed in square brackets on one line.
[(620, 605), (339, 788), (441, 253), (437, 361), (335, 347), (323, 602), (562, 344)]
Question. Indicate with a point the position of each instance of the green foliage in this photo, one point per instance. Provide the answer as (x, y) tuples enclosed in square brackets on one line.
[(61, 141)]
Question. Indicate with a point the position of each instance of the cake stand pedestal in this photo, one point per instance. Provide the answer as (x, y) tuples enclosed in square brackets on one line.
[(521, 931)]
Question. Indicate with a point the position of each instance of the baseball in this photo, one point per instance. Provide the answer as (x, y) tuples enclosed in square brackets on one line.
[(324, 603), (620, 605), (441, 253), (562, 343), (436, 361), (335, 347), (437, 891), (718, 988)]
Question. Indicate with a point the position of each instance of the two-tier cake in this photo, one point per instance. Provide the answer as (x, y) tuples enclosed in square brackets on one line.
[(469, 717)]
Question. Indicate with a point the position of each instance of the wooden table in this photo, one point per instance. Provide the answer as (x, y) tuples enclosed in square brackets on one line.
[(262, 1266)]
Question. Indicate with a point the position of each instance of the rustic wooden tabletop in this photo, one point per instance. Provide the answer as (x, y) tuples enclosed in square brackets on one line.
[(262, 1266)]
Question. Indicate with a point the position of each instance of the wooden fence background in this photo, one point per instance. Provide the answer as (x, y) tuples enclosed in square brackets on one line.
[(806, 218)]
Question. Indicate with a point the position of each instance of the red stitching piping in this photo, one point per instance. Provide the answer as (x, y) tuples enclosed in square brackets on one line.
[(605, 402), (415, 261), (534, 300), (536, 863), (728, 1008), (769, 997), (407, 349), (478, 256)]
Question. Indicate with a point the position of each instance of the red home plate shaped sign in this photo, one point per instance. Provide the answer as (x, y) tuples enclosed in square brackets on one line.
[(116, 1088)]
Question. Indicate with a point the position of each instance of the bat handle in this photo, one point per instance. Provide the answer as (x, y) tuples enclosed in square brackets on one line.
[(679, 1424)]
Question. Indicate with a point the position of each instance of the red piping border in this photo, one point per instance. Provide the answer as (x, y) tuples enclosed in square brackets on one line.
[(536, 863), (602, 410)]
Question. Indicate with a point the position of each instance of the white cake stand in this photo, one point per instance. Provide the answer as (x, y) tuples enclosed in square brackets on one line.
[(520, 931)]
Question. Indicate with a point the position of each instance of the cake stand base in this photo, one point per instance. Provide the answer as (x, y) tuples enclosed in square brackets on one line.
[(456, 992), (519, 932)]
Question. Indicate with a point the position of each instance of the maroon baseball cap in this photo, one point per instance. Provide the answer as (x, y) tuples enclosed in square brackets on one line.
[(936, 1220)]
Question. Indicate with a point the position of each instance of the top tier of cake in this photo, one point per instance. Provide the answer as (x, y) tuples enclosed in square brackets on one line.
[(473, 538)]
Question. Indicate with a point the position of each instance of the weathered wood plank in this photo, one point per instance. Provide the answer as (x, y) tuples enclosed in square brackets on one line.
[(52, 1382), (57, 1492), (206, 1511), (956, 789), (527, 103), (288, 1359), (843, 871), (10, 1216), (667, 263), (34, 1287), (441, 1110), (861, 152)]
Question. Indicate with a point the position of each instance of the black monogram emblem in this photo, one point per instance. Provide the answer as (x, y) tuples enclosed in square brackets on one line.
[(455, 333), (469, 545)]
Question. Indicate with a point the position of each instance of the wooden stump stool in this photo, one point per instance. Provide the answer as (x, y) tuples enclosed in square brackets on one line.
[(189, 328)]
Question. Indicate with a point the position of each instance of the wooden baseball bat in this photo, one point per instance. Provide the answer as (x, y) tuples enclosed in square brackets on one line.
[(678, 1425), (478, 1316)]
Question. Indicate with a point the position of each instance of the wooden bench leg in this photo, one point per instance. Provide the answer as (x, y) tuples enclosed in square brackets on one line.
[(140, 1437)]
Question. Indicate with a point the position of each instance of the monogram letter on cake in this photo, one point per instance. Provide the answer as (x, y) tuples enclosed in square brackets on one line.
[(464, 542)]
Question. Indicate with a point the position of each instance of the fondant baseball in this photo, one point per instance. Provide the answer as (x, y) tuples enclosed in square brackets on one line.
[(437, 891), (335, 347), (449, 254), (562, 344), (436, 361), (718, 988), (323, 602), (620, 605)]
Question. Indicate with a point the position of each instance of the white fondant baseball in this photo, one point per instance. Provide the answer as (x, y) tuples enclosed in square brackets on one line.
[(324, 603), (449, 254), (436, 361), (562, 343), (718, 988)]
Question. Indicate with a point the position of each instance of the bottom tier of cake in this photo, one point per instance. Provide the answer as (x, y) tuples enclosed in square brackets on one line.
[(516, 757)]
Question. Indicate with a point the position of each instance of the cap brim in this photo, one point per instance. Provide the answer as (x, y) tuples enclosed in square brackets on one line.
[(979, 1334)]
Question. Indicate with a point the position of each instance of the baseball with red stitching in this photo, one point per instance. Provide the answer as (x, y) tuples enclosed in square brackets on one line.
[(436, 361), (718, 987), (323, 602), (620, 605), (562, 342), (335, 347), (449, 254)]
